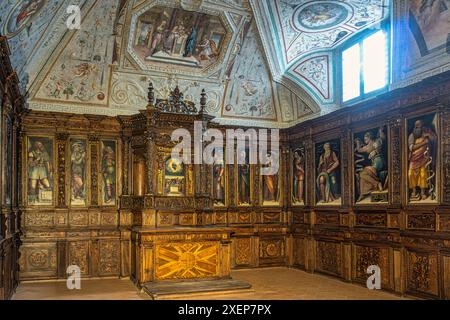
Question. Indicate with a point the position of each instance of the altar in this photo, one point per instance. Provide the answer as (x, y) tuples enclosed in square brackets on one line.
[(172, 249)]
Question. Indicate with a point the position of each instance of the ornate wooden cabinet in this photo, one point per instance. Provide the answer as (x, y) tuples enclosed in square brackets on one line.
[(165, 199), (11, 103)]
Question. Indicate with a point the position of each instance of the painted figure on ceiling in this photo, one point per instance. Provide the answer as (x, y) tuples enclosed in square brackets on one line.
[(169, 41), (327, 181), (371, 177), (109, 173), (205, 49), (78, 166), (299, 176), (149, 36), (190, 43), (39, 170), (158, 37), (420, 171)]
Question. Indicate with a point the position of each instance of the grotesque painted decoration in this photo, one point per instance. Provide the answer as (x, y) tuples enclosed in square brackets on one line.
[(422, 150), (371, 171), (40, 170), (78, 172), (244, 178), (249, 93), (109, 172), (219, 182), (81, 72), (328, 169), (271, 186), (179, 37), (174, 179), (298, 177)]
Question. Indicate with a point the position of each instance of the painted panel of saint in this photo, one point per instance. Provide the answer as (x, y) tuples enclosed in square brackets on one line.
[(109, 169), (78, 166), (271, 186), (328, 173), (244, 178), (298, 176), (422, 158), (174, 177), (40, 171), (371, 166), (219, 182)]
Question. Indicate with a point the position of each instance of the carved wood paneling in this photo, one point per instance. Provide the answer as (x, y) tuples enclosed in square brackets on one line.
[(365, 256), (271, 250), (243, 251), (422, 274), (329, 257)]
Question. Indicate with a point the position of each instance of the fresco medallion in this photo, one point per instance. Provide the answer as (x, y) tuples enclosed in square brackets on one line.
[(22, 16), (316, 16)]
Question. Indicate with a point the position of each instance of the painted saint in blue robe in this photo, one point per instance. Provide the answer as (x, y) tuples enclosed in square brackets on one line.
[(190, 43)]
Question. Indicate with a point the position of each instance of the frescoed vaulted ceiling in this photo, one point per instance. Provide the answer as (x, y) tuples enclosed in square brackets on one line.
[(299, 37), (262, 62)]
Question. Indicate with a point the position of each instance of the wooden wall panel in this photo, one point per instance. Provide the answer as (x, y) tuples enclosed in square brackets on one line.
[(11, 110), (408, 240)]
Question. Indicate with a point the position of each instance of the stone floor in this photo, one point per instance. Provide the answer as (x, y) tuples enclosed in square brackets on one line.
[(268, 284)]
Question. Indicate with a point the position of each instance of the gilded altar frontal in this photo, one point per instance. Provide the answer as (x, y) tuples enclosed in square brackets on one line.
[(225, 150)]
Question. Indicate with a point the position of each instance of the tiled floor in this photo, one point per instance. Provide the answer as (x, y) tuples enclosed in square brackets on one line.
[(269, 284)]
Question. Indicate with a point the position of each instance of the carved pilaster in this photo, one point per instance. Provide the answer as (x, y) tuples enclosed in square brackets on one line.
[(446, 157), (94, 154), (150, 163), (346, 150), (231, 185), (309, 168), (395, 127), (126, 164), (21, 165), (257, 185), (284, 176), (61, 145)]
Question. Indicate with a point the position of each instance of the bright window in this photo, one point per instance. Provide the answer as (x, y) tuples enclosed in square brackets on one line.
[(365, 66)]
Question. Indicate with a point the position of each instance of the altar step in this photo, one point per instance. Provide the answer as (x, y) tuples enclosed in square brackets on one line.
[(182, 289)]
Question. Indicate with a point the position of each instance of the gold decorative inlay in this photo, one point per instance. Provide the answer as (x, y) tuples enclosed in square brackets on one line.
[(187, 260)]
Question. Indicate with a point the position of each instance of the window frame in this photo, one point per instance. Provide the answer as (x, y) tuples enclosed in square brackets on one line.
[(358, 39)]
